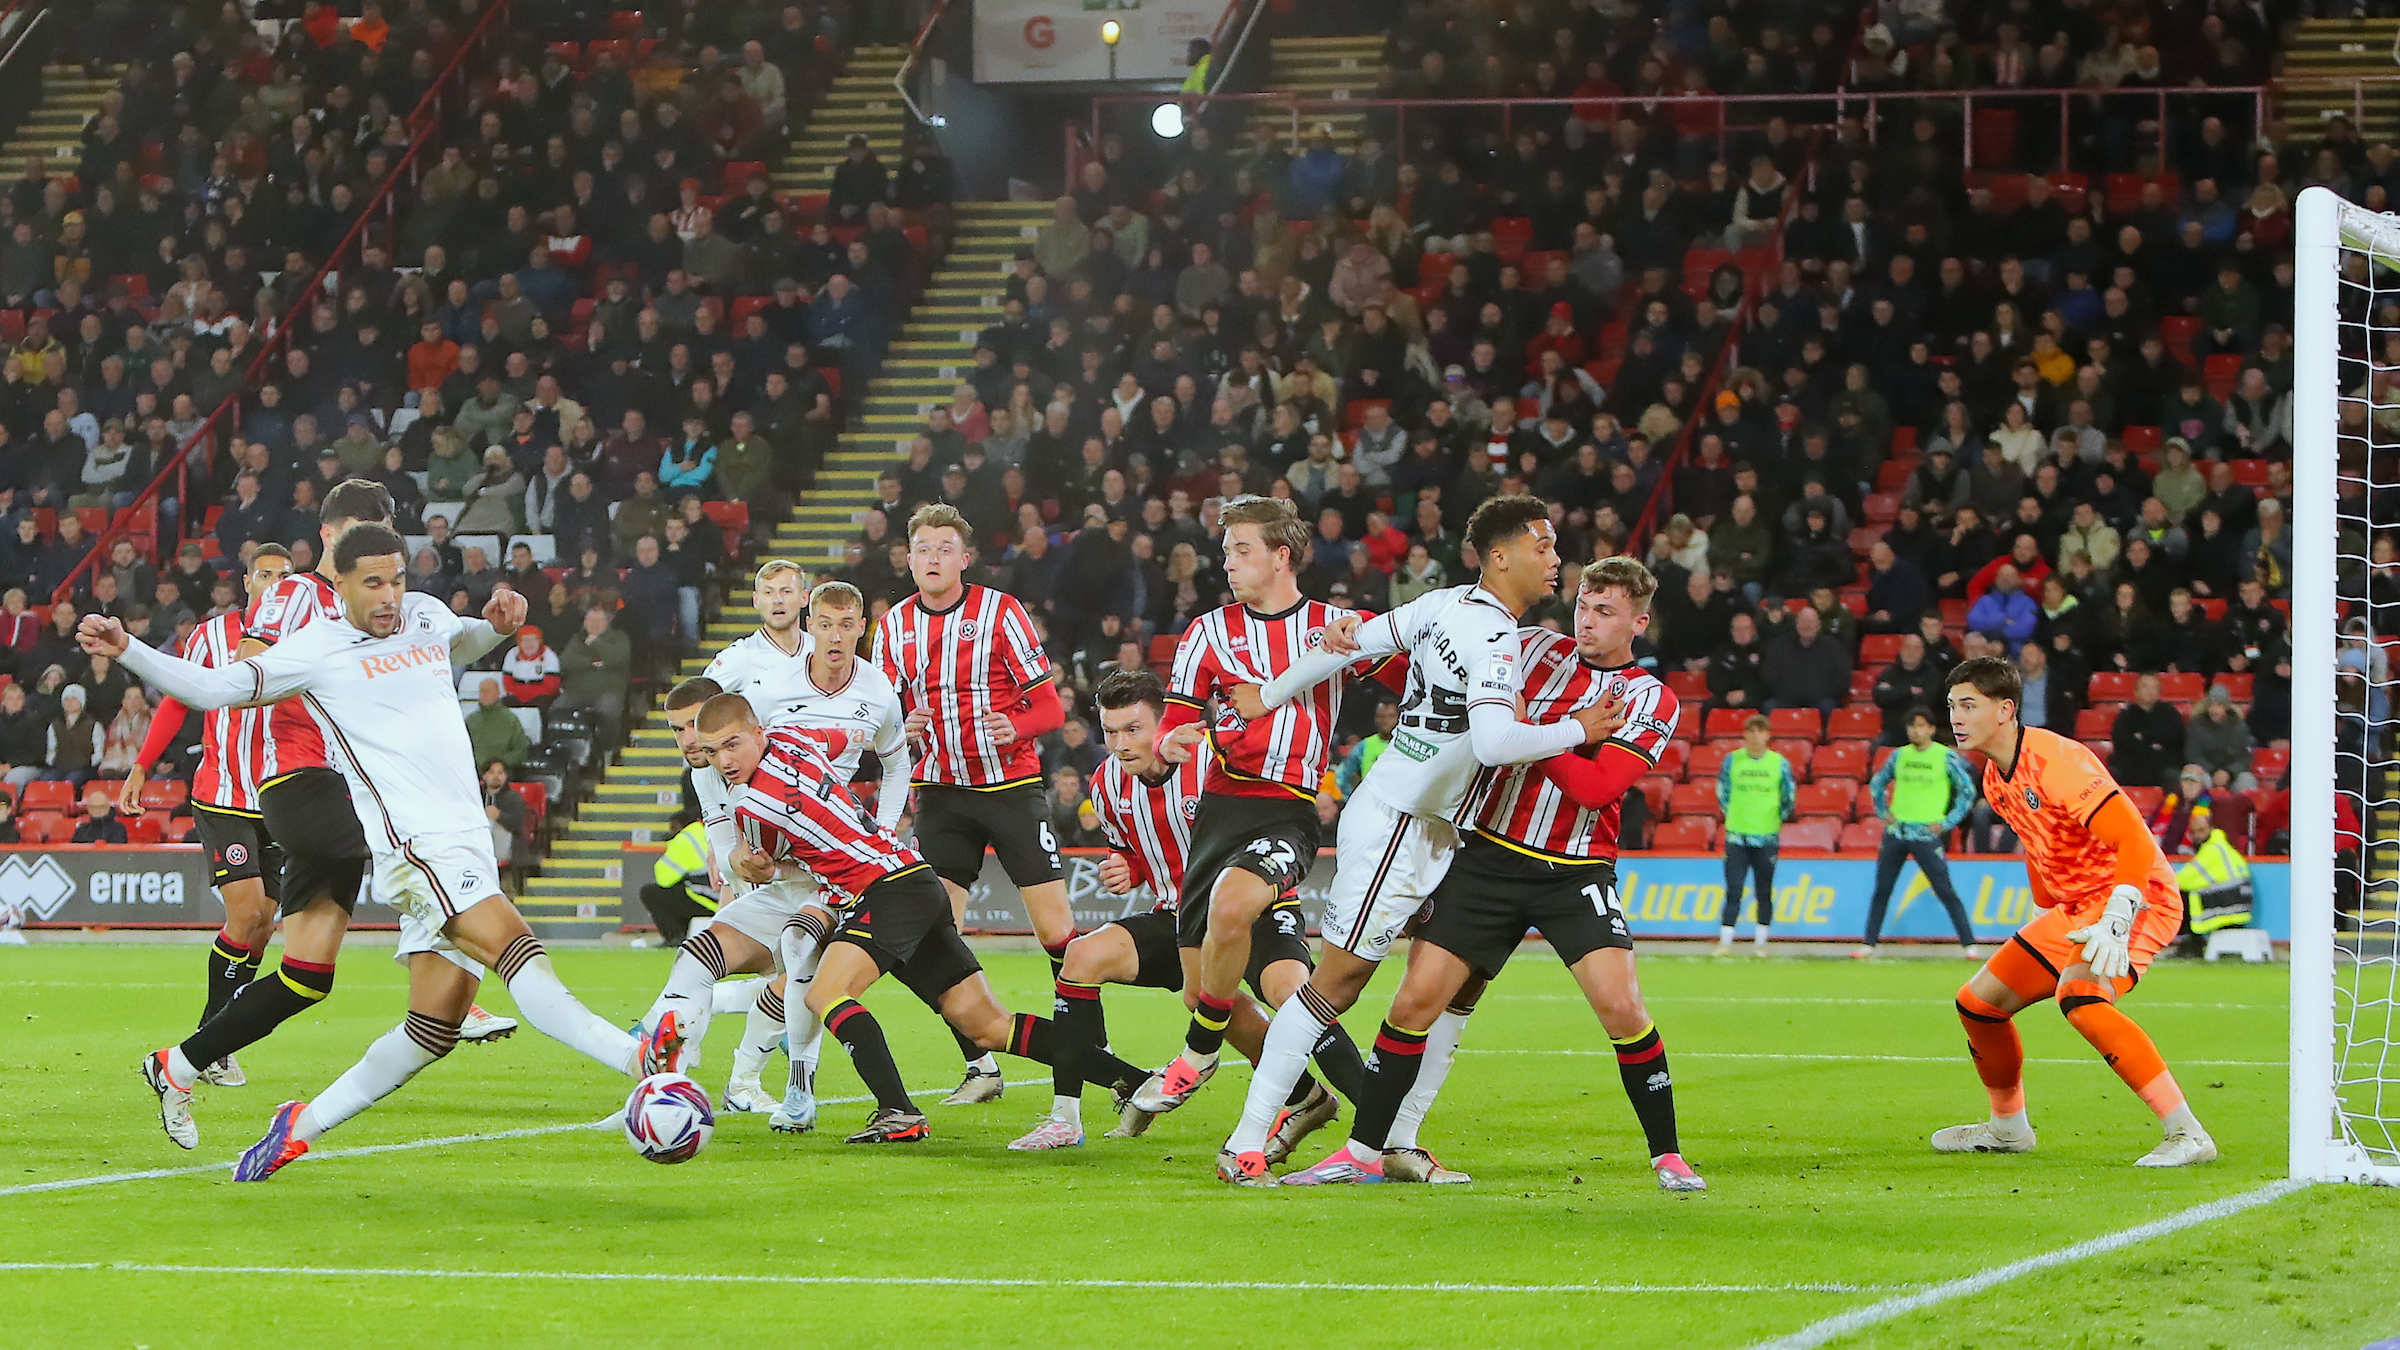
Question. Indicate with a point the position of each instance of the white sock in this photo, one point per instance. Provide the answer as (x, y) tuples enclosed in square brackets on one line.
[(690, 994), (2016, 1124), (804, 1032), (392, 1060), (1441, 1049), (180, 1070), (2181, 1121), (736, 996), (1291, 1038), (1725, 932), (562, 1017), (1761, 939), (1068, 1109), (986, 1064), (762, 1031)]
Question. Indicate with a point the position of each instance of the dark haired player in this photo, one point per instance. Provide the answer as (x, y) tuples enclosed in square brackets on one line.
[(1396, 831), (2109, 905), (377, 680), (1542, 855)]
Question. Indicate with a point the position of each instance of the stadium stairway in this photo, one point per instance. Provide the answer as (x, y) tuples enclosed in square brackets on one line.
[(862, 102), (577, 893), (1319, 68), (53, 130), (2341, 49)]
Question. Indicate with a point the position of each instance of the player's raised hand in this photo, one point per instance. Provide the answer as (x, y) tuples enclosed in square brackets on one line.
[(1341, 637), (1178, 746), (101, 635), (1115, 874), (1002, 731), (1248, 700), (1602, 719), (505, 611), (129, 794)]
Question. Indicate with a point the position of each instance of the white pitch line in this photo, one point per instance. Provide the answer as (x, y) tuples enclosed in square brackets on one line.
[(408, 1146), (1858, 1319), (1861, 1059), (940, 1281)]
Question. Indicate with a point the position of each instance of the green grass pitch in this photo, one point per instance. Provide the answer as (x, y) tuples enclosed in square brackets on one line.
[(1807, 1088)]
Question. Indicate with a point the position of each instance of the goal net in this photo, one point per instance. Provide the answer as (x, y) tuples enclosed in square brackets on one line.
[(2345, 782)]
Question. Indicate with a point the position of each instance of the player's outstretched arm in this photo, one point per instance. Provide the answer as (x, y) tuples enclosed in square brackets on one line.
[(275, 674), (1373, 639), (503, 614), (1497, 737)]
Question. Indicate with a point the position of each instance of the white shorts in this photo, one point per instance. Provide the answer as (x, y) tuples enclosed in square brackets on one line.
[(760, 914), (1389, 862), (431, 880)]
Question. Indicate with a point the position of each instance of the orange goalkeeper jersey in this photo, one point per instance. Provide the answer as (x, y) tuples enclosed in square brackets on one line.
[(2049, 797)]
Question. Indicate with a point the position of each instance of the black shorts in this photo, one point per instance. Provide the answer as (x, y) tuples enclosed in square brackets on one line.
[(904, 922), (1154, 948), (1494, 893), (1272, 838), (238, 848), (955, 825), (307, 813)]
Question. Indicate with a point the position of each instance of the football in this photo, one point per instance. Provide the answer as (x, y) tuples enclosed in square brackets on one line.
[(668, 1118)]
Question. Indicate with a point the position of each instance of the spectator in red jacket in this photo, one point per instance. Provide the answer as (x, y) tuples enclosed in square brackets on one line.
[(530, 672)]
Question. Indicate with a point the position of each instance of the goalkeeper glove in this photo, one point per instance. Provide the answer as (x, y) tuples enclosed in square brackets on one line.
[(2107, 943)]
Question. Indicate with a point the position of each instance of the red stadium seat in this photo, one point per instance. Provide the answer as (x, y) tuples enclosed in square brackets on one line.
[(1802, 722), (1688, 684), (1687, 723), (2270, 764), (2250, 473), (1705, 762), (1862, 690), (1881, 507), (1433, 269), (167, 796), (1812, 836), (1671, 758), (1796, 750), (1654, 789), (1694, 799), (45, 827), (2094, 725), (1685, 834), (2179, 330), (1727, 721), (1826, 799), (2145, 799), (1879, 649), (2113, 686), (2241, 686), (2182, 685), (2141, 439), (41, 795), (1854, 723), (1840, 759), (146, 829), (180, 829), (1862, 836)]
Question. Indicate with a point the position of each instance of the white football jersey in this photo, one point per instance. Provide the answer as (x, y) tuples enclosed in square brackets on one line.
[(1462, 647), (758, 670), (388, 705)]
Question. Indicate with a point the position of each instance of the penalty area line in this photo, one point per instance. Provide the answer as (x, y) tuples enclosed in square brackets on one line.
[(938, 1281), (406, 1146), (1858, 1319)]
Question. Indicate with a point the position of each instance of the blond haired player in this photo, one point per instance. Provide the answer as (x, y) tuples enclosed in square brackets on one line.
[(2109, 904)]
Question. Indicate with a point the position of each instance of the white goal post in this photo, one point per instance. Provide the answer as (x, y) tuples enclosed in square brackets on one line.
[(2345, 976)]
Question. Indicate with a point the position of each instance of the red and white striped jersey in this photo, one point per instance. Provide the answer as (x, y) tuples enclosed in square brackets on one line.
[(797, 808), (1284, 754), (977, 657), (1521, 808), (294, 740), (233, 741), (1150, 824)]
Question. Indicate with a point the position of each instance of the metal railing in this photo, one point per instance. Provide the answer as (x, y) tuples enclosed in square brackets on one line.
[(909, 63), (426, 123)]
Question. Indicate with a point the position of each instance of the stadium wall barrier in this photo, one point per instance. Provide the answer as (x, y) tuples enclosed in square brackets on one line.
[(124, 886), (1665, 895)]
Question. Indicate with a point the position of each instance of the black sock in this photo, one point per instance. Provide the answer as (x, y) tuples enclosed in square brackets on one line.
[(1302, 1091), (966, 1047), (1338, 1059), (1078, 1007), (257, 1008), (230, 966), (870, 1053), (1207, 1033), (1642, 1063), (1034, 1038), (1399, 1054)]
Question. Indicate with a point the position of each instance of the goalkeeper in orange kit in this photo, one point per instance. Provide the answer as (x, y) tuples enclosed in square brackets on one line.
[(2109, 905)]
